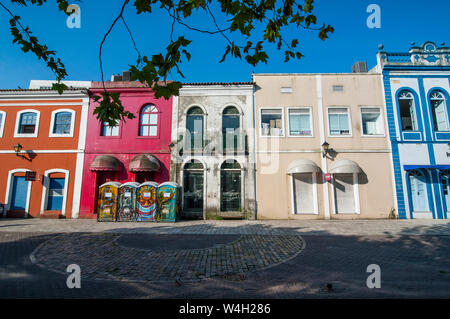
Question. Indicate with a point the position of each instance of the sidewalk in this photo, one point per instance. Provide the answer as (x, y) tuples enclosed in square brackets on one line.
[(279, 227)]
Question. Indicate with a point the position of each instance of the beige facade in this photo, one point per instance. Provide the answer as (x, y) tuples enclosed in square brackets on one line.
[(295, 114)]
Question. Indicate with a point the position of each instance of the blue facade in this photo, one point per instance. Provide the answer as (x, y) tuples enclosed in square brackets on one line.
[(417, 91)]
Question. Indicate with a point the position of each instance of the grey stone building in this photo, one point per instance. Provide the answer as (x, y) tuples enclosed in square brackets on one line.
[(213, 150)]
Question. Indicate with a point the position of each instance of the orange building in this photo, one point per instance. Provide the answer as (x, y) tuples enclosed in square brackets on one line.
[(42, 142)]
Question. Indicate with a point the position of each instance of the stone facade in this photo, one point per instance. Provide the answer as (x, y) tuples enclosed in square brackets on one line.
[(203, 109)]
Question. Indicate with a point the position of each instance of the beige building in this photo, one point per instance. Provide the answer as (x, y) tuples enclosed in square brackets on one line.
[(296, 117)]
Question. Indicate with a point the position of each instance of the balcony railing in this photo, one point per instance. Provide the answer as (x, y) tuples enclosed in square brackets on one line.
[(233, 143), (224, 143)]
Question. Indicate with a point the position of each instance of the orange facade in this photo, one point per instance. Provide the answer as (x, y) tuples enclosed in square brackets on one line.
[(42, 133)]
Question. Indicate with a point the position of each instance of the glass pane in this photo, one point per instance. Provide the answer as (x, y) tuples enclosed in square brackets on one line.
[(271, 122), (300, 124), (28, 119), (153, 131), (61, 129), (144, 130), (63, 118), (145, 119), (115, 131), (230, 185), (334, 124), (153, 119), (371, 123), (439, 115)]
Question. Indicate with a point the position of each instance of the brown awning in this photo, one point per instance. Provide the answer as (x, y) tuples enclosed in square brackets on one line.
[(105, 163), (144, 163)]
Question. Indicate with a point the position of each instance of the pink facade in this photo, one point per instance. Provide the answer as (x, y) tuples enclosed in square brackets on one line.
[(138, 151)]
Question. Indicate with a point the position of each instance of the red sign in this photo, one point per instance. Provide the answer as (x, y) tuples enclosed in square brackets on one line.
[(328, 177)]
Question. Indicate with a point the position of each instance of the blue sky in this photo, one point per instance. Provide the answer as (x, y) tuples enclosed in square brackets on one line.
[(403, 22)]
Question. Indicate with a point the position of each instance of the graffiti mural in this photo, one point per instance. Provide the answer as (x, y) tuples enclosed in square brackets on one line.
[(146, 203), (107, 202), (168, 202), (127, 202)]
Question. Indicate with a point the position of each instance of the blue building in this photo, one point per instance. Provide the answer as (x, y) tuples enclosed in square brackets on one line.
[(417, 88)]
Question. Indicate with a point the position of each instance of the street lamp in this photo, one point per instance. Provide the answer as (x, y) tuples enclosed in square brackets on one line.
[(325, 149), (18, 148)]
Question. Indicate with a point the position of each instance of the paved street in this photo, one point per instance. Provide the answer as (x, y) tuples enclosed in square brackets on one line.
[(263, 259)]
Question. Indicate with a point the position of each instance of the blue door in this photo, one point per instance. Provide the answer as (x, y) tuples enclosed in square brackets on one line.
[(19, 193), (56, 194), (419, 192)]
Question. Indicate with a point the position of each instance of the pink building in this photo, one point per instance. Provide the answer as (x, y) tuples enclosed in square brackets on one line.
[(136, 150)]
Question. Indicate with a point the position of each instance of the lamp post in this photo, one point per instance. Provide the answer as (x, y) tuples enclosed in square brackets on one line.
[(325, 149), (17, 149)]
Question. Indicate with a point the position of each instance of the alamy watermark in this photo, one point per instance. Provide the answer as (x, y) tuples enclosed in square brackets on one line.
[(74, 19), (74, 279), (374, 19), (374, 279)]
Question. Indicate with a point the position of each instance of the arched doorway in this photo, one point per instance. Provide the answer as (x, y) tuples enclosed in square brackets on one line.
[(230, 187), (193, 182)]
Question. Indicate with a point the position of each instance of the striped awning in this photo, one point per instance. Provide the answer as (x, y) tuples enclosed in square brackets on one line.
[(144, 163), (105, 163)]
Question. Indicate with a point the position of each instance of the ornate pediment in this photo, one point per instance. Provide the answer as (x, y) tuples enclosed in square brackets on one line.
[(428, 54)]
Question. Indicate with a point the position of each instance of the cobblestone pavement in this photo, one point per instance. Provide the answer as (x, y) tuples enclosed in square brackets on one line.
[(280, 227), (414, 257), (102, 257)]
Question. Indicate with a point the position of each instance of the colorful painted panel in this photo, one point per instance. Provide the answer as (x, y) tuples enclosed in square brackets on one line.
[(108, 202), (169, 202), (127, 202), (146, 203)]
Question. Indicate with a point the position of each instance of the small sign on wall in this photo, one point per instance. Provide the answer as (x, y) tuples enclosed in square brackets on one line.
[(327, 177), (31, 176)]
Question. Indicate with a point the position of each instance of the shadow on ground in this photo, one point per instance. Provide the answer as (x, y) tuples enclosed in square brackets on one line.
[(412, 266)]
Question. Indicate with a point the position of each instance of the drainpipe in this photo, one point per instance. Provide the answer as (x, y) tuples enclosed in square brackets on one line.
[(254, 146), (326, 195)]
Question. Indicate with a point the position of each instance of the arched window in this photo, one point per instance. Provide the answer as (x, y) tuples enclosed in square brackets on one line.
[(407, 111), (148, 125), (62, 123), (231, 124), (195, 127), (230, 186), (27, 123), (439, 109), (193, 175)]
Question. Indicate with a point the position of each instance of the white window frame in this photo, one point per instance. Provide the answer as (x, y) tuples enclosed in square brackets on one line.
[(45, 189), (355, 196), (72, 123), (282, 122), (310, 121), (315, 196), (349, 116), (382, 121), (2, 123), (36, 129)]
